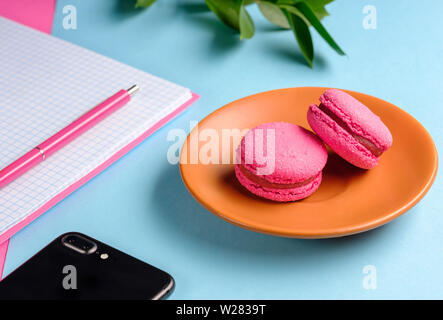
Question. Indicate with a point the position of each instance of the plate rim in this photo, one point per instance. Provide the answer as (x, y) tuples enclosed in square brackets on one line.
[(318, 234)]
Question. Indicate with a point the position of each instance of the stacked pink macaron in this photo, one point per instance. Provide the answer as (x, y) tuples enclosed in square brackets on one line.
[(349, 128), (283, 162)]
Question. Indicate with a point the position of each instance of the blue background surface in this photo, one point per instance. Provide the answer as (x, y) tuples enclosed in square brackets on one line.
[(140, 205)]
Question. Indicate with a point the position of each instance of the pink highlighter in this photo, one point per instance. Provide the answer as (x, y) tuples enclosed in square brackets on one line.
[(65, 136)]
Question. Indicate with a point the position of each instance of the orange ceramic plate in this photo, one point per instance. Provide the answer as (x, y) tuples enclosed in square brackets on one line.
[(349, 200)]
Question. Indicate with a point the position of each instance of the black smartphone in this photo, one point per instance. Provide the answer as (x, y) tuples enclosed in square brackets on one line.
[(75, 266)]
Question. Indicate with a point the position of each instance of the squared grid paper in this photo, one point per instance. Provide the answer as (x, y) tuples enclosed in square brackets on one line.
[(45, 84)]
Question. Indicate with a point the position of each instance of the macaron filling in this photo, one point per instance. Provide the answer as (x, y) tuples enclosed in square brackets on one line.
[(376, 151), (265, 183)]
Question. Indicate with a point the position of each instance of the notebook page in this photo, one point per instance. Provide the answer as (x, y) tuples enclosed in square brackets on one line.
[(45, 84)]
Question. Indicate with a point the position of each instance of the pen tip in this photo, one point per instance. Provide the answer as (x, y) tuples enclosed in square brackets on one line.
[(132, 90)]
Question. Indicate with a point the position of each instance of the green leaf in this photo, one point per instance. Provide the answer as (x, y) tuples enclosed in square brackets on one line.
[(302, 34), (318, 6), (274, 14), (314, 4), (295, 11), (144, 3), (228, 11), (315, 22), (247, 27), (321, 13), (287, 2)]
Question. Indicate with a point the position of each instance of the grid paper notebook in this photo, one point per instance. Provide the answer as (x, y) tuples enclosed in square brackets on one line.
[(45, 84)]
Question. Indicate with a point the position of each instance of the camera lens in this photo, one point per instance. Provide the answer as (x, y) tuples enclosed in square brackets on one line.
[(79, 244)]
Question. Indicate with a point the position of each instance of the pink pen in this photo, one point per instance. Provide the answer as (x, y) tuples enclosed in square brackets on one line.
[(65, 136)]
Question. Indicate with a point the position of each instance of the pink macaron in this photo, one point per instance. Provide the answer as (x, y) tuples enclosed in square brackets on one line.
[(280, 161), (352, 130)]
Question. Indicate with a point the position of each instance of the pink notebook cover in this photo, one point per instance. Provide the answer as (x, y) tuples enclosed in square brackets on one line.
[(3, 251), (40, 17), (37, 14)]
